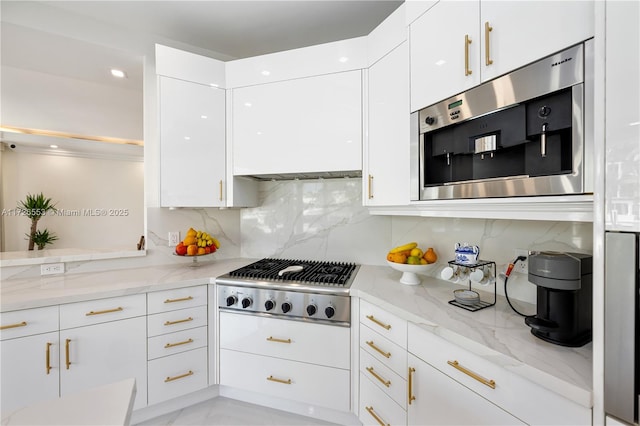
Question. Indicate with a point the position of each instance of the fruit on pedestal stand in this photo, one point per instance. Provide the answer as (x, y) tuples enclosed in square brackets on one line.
[(197, 243), (411, 254), (181, 249), (192, 250)]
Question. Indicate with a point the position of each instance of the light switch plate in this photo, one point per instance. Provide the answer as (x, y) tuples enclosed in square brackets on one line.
[(52, 268)]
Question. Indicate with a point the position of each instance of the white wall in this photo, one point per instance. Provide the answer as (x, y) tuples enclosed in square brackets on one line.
[(75, 183)]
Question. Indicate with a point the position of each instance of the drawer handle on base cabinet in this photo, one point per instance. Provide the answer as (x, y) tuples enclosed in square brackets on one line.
[(467, 42), (273, 379), (67, 361), (370, 187), (456, 365), (107, 311), (377, 417), (410, 396), (487, 56), (182, 376), (273, 339), (374, 347), (220, 189), (47, 357), (178, 321), (380, 323), (183, 299), (387, 383), (171, 345), (20, 324)]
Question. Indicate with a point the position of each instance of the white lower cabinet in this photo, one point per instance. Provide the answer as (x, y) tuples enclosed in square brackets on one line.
[(177, 375), (440, 400), (376, 408), (299, 361)]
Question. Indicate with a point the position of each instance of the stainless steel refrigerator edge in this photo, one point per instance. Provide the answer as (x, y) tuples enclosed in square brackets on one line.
[(622, 299)]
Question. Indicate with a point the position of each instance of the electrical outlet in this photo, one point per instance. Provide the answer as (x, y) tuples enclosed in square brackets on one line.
[(174, 238), (51, 268), (522, 266)]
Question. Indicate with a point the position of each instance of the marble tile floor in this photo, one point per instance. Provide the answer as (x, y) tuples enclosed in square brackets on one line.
[(225, 411)]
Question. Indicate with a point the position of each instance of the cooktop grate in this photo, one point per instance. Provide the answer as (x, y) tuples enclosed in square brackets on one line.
[(313, 272)]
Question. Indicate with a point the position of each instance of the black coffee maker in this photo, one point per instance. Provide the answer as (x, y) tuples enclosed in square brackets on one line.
[(564, 299)]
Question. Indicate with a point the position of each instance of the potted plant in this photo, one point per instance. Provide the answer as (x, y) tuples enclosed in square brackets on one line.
[(42, 238), (34, 207)]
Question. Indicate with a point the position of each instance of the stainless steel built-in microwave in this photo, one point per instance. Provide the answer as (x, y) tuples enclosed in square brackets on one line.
[(526, 133)]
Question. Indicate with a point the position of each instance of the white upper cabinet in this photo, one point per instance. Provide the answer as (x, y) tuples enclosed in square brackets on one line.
[(306, 125), (622, 117), (176, 63), (456, 45), (386, 175), (192, 138)]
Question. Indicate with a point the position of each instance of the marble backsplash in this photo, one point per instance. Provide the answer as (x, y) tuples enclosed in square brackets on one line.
[(325, 220)]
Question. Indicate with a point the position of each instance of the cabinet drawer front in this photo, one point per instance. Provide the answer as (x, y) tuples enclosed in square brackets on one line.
[(177, 375), (377, 407), (179, 298), (298, 381), (511, 392), (102, 310), (381, 321), (385, 351), (181, 319), (383, 377), (180, 341), (28, 322), (299, 341)]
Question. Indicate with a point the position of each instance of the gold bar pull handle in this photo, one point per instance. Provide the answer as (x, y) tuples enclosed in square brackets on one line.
[(178, 321), (106, 311), (47, 357), (182, 376), (67, 360), (487, 45), (457, 366), (273, 339), (20, 324), (220, 189), (410, 394), (171, 345), (387, 383), (182, 299), (273, 379), (467, 42), (370, 186), (377, 417), (380, 323), (377, 349)]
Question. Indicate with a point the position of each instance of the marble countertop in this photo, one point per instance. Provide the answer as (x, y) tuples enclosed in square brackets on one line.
[(496, 333)]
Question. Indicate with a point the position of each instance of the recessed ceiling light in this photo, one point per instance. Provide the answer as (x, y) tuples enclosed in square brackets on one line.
[(265, 72), (343, 59), (214, 85), (203, 116), (118, 73), (53, 146), (247, 104), (441, 62)]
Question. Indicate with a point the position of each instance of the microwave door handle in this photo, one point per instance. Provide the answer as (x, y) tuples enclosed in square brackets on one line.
[(543, 141)]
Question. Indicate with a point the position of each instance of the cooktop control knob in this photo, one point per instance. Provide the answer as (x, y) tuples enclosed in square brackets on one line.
[(246, 302), (232, 300), (312, 309), (286, 307), (330, 311), (430, 120), (269, 305)]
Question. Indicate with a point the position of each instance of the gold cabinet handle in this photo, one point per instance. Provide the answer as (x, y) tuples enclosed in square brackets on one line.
[(370, 186), (467, 42), (273, 339), (273, 379), (410, 394), (106, 311), (487, 56), (183, 299), (171, 345), (374, 347), (47, 358), (220, 189), (67, 361), (380, 323), (20, 324), (457, 366), (387, 383), (178, 321), (377, 417), (182, 376)]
